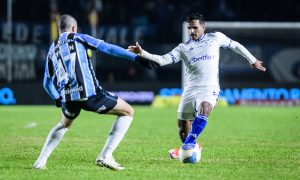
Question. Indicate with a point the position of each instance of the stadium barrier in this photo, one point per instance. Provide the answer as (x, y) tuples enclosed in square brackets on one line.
[(169, 97), (7, 96), (33, 93)]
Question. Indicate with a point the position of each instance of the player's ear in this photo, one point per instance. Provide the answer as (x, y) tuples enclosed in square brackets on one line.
[(74, 29)]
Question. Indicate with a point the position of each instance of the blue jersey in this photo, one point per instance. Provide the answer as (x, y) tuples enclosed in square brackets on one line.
[(69, 72)]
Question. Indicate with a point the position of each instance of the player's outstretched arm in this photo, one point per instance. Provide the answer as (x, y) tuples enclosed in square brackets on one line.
[(157, 59), (123, 53), (101, 46), (137, 49), (240, 49), (114, 50)]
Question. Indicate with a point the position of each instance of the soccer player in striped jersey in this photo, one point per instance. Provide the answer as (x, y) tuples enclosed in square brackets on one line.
[(70, 80), (201, 59)]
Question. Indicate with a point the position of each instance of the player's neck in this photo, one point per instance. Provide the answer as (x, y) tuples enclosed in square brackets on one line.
[(200, 38)]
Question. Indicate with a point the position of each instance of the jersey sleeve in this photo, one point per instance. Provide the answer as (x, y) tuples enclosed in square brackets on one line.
[(170, 58), (223, 40), (174, 56), (115, 50), (226, 42), (48, 78), (101, 46), (49, 68), (88, 41)]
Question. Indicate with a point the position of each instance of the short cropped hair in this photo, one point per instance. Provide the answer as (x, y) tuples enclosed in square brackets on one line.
[(66, 21), (195, 16)]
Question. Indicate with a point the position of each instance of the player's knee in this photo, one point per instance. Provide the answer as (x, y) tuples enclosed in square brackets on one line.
[(130, 111), (66, 122), (127, 111), (206, 108), (205, 111)]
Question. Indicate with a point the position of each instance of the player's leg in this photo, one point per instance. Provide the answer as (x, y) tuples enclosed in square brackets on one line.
[(184, 121), (118, 130), (198, 125), (184, 126), (56, 135), (205, 103), (199, 122), (186, 113), (124, 113), (108, 103)]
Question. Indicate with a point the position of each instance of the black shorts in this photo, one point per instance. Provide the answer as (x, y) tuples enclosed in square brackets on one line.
[(100, 103)]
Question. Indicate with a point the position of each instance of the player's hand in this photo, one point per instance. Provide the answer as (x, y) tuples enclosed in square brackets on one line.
[(136, 49), (258, 65), (58, 102)]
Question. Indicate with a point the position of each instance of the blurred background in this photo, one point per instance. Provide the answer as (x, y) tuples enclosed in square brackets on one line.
[(269, 29)]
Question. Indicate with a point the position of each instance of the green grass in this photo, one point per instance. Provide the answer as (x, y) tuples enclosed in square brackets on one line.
[(238, 143)]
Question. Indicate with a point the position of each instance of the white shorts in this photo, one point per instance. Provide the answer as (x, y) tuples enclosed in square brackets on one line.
[(190, 102)]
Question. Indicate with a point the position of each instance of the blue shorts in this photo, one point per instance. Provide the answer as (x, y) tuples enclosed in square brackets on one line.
[(100, 103)]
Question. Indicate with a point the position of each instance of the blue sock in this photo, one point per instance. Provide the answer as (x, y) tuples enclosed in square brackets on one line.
[(198, 125)]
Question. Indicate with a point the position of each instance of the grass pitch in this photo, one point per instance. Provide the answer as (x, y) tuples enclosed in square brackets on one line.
[(238, 143)]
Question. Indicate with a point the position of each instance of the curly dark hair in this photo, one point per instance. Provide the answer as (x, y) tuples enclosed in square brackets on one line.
[(195, 16)]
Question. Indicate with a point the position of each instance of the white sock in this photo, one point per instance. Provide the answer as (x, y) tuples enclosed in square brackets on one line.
[(117, 132), (53, 139)]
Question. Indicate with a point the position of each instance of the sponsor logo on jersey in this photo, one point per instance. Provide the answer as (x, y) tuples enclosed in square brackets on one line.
[(201, 58), (73, 90)]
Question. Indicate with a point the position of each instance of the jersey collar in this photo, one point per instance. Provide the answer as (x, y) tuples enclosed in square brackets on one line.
[(198, 40)]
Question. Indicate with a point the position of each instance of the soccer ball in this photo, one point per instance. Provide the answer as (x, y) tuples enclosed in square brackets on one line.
[(190, 153)]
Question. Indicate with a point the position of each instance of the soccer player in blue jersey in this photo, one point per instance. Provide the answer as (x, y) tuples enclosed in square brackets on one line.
[(201, 59), (70, 80)]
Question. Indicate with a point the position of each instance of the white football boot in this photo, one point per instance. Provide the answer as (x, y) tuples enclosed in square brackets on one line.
[(109, 163), (39, 165)]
